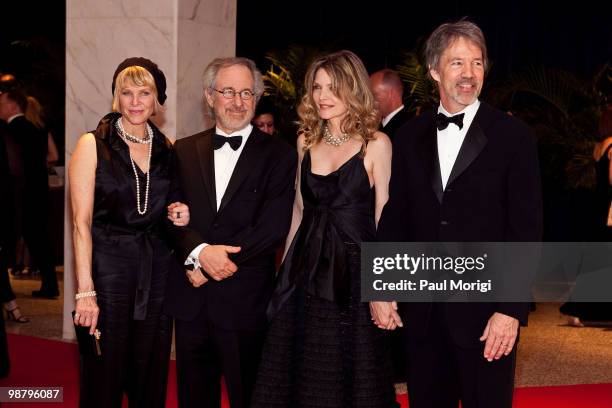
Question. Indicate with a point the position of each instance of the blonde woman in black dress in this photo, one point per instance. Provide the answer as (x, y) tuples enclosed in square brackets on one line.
[(122, 188), (323, 348)]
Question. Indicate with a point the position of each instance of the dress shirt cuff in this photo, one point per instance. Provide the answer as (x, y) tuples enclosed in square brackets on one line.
[(193, 258)]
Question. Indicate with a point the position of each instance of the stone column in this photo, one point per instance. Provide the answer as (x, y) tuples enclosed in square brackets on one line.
[(181, 36)]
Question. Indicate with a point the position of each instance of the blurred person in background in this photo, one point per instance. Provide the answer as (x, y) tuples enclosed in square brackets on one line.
[(265, 118), (31, 187), (7, 235), (579, 312)]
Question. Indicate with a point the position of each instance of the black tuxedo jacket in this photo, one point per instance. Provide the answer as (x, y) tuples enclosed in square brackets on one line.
[(6, 203), (255, 214), (396, 122), (493, 195), (32, 146)]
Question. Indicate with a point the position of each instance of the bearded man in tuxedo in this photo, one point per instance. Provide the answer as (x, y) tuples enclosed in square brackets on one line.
[(463, 172)]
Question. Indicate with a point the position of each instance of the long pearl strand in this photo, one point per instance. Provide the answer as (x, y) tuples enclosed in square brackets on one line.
[(148, 140)]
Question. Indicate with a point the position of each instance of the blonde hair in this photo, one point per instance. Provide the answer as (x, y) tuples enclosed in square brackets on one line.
[(350, 83), (34, 112), (139, 77)]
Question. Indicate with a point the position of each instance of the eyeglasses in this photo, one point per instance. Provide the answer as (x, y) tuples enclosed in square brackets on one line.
[(230, 93)]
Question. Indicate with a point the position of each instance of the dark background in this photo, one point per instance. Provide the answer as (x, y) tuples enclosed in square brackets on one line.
[(576, 37), (33, 48)]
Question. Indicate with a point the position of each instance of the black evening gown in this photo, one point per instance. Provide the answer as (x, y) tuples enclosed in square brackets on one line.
[(590, 311), (322, 348), (130, 264)]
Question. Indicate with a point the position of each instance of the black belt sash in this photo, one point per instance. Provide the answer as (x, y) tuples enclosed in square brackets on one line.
[(144, 271)]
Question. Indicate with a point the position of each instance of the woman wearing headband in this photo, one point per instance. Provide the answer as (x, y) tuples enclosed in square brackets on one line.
[(122, 184)]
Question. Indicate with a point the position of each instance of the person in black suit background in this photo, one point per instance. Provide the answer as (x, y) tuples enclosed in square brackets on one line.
[(5, 238), (10, 167), (464, 172), (239, 184), (32, 144), (388, 91)]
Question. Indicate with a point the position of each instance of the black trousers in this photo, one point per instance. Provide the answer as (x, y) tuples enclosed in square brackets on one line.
[(6, 291), (135, 353), (34, 231), (5, 364), (205, 352), (440, 373)]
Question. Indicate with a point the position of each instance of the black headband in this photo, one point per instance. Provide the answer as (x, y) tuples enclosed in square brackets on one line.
[(158, 75)]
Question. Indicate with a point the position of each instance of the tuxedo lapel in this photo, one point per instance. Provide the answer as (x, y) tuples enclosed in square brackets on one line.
[(244, 166), (431, 160), (475, 141), (206, 160)]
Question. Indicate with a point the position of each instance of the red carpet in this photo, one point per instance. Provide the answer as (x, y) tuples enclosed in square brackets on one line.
[(39, 362)]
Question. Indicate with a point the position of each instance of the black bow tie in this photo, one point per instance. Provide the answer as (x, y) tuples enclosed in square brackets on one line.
[(233, 141), (442, 120)]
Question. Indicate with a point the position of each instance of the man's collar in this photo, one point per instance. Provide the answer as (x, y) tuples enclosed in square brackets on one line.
[(390, 116), (246, 131), (469, 110), (9, 120)]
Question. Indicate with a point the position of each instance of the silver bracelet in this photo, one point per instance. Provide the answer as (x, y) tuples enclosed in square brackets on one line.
[(85, 294)]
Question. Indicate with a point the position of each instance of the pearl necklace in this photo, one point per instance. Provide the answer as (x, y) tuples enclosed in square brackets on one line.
[(148, 140), (145, 140), (333, 140)]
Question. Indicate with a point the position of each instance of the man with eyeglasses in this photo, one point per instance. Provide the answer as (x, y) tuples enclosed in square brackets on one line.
[(239, 185)]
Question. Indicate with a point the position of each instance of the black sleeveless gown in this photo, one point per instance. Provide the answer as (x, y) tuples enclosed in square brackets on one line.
[(130, 265), (322, 348)]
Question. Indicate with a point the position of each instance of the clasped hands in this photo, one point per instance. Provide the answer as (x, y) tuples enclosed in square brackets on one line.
[(214, 259), (385, 316)]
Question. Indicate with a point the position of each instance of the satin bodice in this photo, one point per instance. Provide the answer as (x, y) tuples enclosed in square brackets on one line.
[(344, 196), (115, 189), (338, 215)]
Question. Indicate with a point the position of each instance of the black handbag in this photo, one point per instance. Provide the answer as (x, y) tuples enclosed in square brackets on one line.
[(89, 344)]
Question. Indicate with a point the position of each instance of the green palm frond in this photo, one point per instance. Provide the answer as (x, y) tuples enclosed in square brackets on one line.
[(284, 82), (555, 87), (419, 91), (285, 77), (280, 84), (564, 110)]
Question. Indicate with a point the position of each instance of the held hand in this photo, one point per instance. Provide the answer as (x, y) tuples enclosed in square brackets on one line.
[(87, 312), (178, 213), (215, 261), (500, 335), (384, 315), (195, 277)]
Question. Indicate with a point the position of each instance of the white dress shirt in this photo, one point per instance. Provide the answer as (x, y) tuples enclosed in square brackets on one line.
[(13, 117), (451, 139), (225, 163), (390, 116)]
